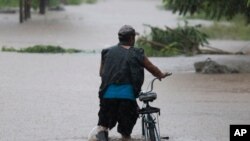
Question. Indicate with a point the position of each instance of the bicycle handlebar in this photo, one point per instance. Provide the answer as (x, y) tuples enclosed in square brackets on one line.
[(152, 82)]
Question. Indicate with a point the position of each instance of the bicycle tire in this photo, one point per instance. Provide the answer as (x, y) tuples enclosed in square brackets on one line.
[(149, 130), (153, 136), (145, 132), (143, 126)]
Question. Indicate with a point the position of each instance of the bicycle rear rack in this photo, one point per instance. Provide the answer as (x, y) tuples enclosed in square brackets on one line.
[(149, 110)]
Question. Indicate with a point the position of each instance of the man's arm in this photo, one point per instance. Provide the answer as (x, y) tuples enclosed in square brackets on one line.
[(153, 69), (101, 67), (103, 53)]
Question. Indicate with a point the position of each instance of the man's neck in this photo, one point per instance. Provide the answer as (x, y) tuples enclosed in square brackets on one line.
[(126, 46)]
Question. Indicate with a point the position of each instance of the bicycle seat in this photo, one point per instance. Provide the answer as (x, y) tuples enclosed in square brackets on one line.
[(147, 97)]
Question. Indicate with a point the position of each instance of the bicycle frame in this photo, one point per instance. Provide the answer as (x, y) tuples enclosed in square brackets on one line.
[(149, 128)]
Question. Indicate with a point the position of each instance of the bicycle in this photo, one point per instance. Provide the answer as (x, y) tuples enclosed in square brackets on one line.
[(150, 131)]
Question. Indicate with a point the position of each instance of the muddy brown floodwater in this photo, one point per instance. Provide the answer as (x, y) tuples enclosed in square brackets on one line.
[(53, 97)]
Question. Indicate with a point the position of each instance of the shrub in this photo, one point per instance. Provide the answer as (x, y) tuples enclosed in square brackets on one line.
[(168, 42), (42, 49)]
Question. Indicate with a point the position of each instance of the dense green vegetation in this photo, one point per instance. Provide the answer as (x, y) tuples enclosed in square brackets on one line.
[(214, 9), (9, 3), (42, 49), (169, 42), (231, 17)]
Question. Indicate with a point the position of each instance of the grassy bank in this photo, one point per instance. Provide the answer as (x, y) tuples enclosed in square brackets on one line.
[(78, 2), (35, 3), (229, 32), (42, 49), (235, 29)]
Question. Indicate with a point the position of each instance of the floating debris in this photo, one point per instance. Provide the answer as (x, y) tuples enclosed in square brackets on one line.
[(211, 67)]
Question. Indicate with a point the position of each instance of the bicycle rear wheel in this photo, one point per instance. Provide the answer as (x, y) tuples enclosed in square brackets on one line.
[(143, 126), (152, 134), (145, 131), (149, 130)]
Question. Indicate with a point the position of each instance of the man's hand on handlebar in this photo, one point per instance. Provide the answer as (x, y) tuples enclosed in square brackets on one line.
[(165, 75), (168, 74)]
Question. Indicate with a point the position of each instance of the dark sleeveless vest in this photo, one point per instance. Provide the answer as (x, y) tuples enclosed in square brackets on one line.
[(122, 66)]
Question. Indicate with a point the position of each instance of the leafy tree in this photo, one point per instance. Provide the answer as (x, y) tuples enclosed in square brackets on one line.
[(214, 9)]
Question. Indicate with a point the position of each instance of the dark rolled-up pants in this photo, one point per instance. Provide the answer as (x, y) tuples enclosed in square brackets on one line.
[(121, 111)]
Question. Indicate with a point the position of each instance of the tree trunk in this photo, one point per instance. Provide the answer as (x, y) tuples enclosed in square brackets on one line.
[(42, 7), (25, 9), (21, 11), (28, 9)]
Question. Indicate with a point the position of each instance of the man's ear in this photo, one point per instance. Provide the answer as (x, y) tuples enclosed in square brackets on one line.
[(132, 40)]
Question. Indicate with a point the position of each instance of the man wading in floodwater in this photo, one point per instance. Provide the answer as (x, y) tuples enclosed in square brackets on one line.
[(122, 74)]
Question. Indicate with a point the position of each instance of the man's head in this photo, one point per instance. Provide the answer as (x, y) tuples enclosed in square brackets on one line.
[(126, 35)]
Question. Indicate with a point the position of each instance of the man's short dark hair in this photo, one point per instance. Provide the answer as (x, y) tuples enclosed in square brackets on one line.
[(125, 39), (125, 33)]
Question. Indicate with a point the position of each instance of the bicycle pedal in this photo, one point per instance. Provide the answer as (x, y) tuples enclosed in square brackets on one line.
[(165, 138)]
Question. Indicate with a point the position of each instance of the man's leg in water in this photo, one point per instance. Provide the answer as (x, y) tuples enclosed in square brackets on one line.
[(107, 118), (108, 113), (102, 133), (127, 117)]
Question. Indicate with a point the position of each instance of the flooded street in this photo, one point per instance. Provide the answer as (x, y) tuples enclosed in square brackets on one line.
[(53, 97)]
